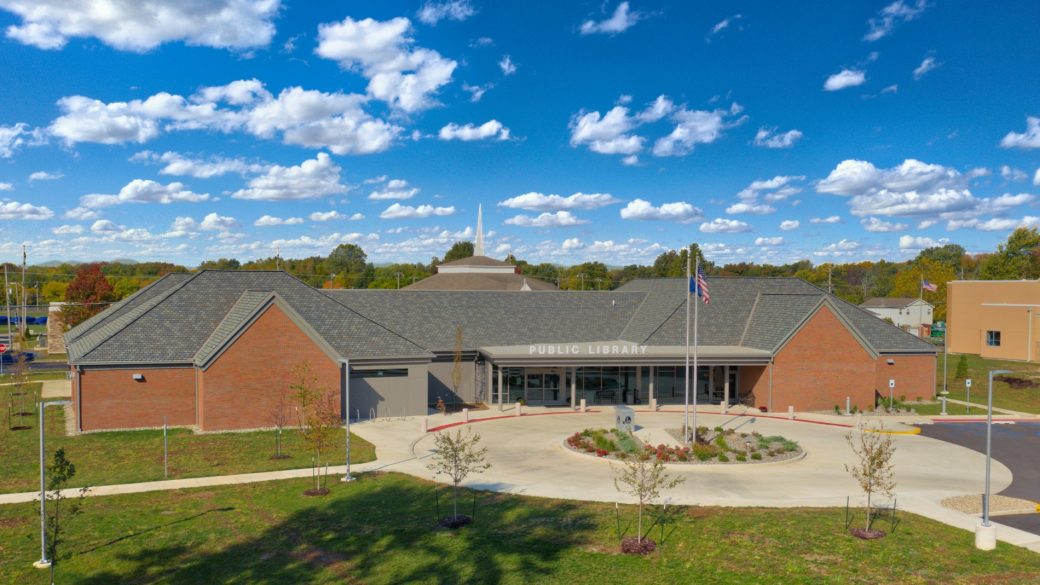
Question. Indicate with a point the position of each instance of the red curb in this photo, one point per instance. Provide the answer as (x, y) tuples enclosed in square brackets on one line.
[(476, 420)]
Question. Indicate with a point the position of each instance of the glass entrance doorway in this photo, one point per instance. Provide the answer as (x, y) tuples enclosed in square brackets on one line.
[(543, 386)]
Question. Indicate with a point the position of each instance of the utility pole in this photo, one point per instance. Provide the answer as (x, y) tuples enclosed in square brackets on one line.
[(7, 305), (25, 301), (830, 271)]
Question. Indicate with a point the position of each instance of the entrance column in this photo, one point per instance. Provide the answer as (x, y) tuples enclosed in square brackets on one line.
[(651, 388), (725, 391), (489, 397), (574, 387), (500, 388), (639, 382)]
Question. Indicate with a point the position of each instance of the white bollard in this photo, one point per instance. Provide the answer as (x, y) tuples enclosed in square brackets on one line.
[(425, 424), (582, 409), (653, 404), (518, 406), (790, 412), (859, 419), (465, 414), (848, 405), (985, 537)]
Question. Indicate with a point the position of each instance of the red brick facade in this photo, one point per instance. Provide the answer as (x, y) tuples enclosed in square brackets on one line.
[(240, 389), (914, 375), (112, 399)]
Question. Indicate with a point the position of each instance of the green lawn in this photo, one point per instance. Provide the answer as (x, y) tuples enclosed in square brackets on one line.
[(935, 408), (133, 456), (1020, 399), (382, 529)]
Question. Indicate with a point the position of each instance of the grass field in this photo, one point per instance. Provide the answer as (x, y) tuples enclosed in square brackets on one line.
[(1020, 399), (934, 409), (133, 456), (382, 529)]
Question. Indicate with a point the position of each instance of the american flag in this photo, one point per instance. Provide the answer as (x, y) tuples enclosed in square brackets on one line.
[(702, 286), (928, 286)]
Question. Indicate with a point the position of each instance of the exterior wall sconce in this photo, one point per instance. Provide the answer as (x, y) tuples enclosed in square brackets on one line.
[(139, 377)]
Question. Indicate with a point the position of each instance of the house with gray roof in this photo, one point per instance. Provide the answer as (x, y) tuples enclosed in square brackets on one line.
[(217, 350)]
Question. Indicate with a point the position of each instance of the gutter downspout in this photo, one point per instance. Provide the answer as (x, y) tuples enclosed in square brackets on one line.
[(79, 398), (771, 362)]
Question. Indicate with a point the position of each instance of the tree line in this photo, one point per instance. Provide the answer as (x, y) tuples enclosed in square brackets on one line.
[(347, 266)]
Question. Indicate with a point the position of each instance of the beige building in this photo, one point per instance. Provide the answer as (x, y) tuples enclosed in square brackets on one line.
[(994, 318)]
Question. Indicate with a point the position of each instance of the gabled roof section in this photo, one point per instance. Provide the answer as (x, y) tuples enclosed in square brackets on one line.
[(476, 261), (172, 329), (143, 295), (777, 317)]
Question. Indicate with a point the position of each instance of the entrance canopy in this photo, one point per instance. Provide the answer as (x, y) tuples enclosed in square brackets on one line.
[(620, 352)]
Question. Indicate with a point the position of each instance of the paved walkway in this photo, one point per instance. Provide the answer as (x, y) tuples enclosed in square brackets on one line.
[(528, 458), (56, 389)]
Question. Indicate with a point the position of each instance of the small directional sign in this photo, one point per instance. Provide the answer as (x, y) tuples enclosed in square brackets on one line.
[(891, 383), (967, 382)]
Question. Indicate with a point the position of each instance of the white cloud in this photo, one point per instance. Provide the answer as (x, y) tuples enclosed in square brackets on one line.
[(1012, 174), (606, 134), (394, 189), (696, 127), (894, 88), (750, 207), (476, 92), (507, 65), (311, 179), (1028, 139), (621, 20), (404, 76), (773, 241), (398, 211), (891, 15), (722, 25), (547, 219), (572, 244), (535, 201), (104, 226), (270, 220), (433, 12), (143, 25), (873, 224), (1036, 177), (790, 224), (490, 129), (82, 213), (658, 109), (723, 225), (303, 117), (356, 217), (994, 224), (919, 242), (828, 219), (845, 247), (45, 176), (913, 188), (779, 188), (844, 79), (24, 211), (929, 64), (926, 223), (218, 223), (145, 191), (201, 168), (14, 137), (6, 187), (67, 230), (679, 211), (327, 215), (630, 160), (769, 138)]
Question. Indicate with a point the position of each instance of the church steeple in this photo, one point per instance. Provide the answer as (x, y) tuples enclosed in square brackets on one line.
[(478, 246)]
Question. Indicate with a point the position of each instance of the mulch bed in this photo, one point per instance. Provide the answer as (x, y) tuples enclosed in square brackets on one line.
[(867, 534), (454, 522), (282, 456), (317, 492), (634, 546), (1018, 383)]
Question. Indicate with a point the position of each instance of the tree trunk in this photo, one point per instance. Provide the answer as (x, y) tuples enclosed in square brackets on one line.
[(868, 511), (455, 498), (639, 522)]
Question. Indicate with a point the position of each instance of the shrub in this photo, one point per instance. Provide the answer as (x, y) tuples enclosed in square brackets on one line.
[(603, 442), (626, 442), (718, 430), (962, 368), (720, 441), (836, 409), (756, 456), (704, 452), (741, 457), (723, 458)]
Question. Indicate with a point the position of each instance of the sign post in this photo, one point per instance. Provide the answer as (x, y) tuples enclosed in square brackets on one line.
[(3, 350), (967, 398), (891, 391)]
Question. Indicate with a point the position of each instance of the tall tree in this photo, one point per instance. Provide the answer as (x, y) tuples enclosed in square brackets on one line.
[(1017, 258), (350, 265), (458, 251), (86, 295), (907, 283)]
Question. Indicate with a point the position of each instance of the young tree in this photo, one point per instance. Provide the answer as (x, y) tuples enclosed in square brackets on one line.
[(86, 295), (280, 418), (643, 477), (319, 419), (874, 471), (59, 473), (456, 368), (457, 456)]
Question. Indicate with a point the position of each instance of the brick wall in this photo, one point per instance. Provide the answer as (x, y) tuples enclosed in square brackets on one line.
[(914, 375), (241, 388), (112, 399), (821, 365), (755, 380)]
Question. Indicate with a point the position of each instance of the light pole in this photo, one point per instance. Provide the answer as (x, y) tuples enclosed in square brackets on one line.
[(44, 562), (345, 364), (985, 534)]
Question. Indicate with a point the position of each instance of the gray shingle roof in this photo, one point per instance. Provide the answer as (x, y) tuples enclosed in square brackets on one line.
[(478, 281), (183, 318), (888, 303)]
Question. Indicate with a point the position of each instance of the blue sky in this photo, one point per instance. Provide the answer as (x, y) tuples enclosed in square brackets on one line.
[(612, 131)]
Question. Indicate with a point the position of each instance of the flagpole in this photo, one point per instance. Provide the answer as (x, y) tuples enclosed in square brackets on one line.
[(686, 402), (696, 312)]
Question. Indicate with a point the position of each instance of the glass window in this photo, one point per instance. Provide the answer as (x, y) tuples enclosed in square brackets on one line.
[(391, 373), (993, 338)]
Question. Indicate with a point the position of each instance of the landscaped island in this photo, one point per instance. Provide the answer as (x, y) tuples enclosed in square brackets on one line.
[(717, 445)]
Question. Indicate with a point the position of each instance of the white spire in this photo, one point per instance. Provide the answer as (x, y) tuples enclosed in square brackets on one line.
[(478, 247)]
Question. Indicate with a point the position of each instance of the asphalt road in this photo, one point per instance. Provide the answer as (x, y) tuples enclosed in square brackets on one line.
[(1015, 445), (47, 366)]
